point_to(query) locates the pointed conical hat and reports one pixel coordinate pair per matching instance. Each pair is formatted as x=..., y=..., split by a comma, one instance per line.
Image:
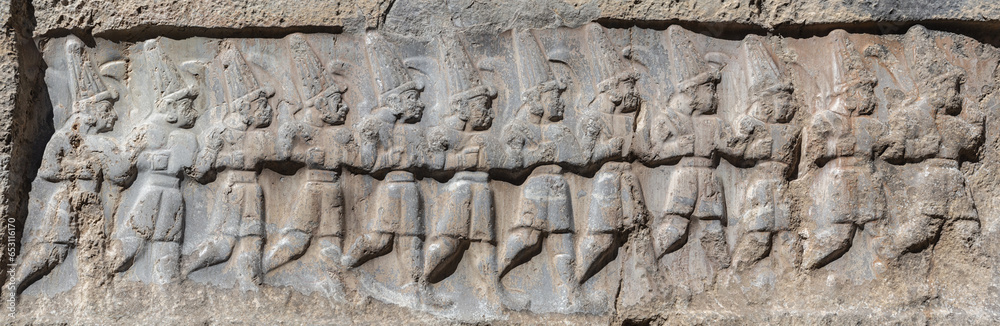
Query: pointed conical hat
x=166, y=80
x=608, y=62
x=847, y=68
x=532, y=64
x=922, y=55
x=463, y=78
x=312, y=78
x=391, y=76
x=87, y=85
x=240, y=80
x=761, y=71
x=684, y=60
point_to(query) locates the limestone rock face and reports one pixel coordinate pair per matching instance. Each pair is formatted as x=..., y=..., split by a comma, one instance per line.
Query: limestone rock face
x=510, y=162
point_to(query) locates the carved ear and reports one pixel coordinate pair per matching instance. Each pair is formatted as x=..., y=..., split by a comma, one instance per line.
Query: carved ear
x=339, y=68
x=559, y=55
x=421, y=64
x=114, y=69
x=717, y=58
x=488, y=64
x=639, y=54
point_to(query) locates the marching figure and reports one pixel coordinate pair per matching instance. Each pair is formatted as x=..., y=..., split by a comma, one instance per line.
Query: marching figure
x=318, y=138
x=616, y=203
x=387, y=142
x=841, y=141
x=930, y=134
x=235, y=148
x=466, y=214
x=77, y=160
x=688, y=131
x=161, y=148
x=545, y=208
x=769, y=144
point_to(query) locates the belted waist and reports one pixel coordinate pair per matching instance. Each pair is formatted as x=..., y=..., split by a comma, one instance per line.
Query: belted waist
x=238, y=176
x=942, y=163
x=162, y=179
x=399, y=176
x=322, y=175
x=695, y=161
x=474, y=176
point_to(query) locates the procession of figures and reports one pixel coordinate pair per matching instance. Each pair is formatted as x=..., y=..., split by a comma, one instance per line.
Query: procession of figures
x=513, y=171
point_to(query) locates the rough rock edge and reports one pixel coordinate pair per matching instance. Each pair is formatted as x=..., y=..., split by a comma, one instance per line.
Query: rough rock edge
x=23, y=116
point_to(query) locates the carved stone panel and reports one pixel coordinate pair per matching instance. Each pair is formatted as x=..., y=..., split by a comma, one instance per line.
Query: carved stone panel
x=477, y=177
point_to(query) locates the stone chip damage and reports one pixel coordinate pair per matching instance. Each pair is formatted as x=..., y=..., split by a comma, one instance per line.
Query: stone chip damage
x=500, y=163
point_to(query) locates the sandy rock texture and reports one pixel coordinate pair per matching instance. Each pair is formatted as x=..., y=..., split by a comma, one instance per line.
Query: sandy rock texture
x=131, y=19
x=500, y=162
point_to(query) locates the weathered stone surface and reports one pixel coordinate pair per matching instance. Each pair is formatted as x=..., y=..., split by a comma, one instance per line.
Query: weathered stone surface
x=632, y=174
x=145, y=18
x=500, y=162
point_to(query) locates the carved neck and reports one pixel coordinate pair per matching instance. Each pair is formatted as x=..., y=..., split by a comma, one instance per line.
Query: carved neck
x=386, y=115
x=454, y=122
x=313, y=118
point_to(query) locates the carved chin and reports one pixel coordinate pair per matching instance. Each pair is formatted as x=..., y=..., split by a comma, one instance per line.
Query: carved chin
x=629, y=103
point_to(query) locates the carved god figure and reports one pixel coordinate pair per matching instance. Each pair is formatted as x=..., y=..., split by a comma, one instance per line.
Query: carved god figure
x=605, y=128
x=534, y=137
x=841, y=142
x=466, y=214
x=930, y=134
x=150, y=219
x=77, y=160
x=388, y=140
x=767, y=146
x=688, y=132
x=317, y=137
x=234, y=148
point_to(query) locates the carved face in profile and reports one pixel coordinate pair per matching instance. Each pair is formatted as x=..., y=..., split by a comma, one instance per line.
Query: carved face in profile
x=180, y=112
x=104, y=115
x=773, y=106
x=553, y=104
x=856, y=98
x=623, y=95
x=332, y=108
x=480, y=112
x=257, y=112
x=698, y=99
x=944, y=93
x=411, y=109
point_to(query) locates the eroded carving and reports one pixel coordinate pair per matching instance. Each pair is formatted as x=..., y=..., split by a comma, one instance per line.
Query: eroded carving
x=548, y=159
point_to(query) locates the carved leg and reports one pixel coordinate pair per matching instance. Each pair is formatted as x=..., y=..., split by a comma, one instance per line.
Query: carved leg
x=40, y=259
x=916, y=233
x=166, y=261
x=826, y=244
x=247, y=262
x=441, y=252
x=123, y=250
x=751, y=248
x=329, y=234
x=563, y=261
x=330, y=247
x=225, y=220
x=366, y=247
x=211, y=252
x=291, y=245
x=294, y=237
x=166, y=242
x=713, y=239
x=669, y=234
x=136, y=221
x=594, y=251
x=517, y=248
